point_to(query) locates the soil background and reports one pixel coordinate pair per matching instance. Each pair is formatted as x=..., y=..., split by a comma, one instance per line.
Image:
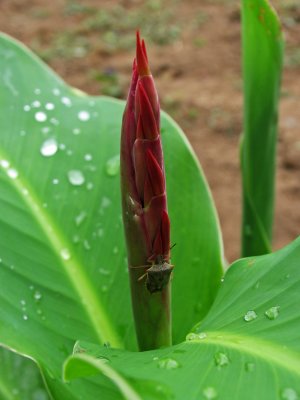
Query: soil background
x=195, y=54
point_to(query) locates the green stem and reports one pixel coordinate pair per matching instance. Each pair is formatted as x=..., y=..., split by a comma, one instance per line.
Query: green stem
x=152, y=312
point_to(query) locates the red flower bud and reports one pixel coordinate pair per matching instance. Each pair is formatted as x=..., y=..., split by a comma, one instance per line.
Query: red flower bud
x=143, y=177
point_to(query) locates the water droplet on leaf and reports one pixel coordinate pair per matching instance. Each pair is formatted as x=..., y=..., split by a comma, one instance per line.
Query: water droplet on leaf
x=84, y=115
x=272, y=312
x=76, y=131
x=37, y=296
x=40, y=116
x=76, y=177
x=250, y=316
x=210, y=393
x=221, y=359
x=289, y=394
x=88, y=157
x=80, y=218
x=66, y=101
x=249, y=366
x=112, y=166
x=49, y=147
x=12, y=173
x=4, y=164
x=65, y=253
x=36, y=104
x=49, y=106
x=168, y=363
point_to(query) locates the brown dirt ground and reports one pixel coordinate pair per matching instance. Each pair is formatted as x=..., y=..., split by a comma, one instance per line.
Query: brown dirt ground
x=195, y=56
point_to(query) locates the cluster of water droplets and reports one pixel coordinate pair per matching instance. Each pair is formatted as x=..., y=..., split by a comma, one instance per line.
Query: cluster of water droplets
x=10, y=171
x=271, y=314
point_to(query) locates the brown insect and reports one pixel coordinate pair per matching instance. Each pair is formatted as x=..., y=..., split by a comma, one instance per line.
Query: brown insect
x=158, y=275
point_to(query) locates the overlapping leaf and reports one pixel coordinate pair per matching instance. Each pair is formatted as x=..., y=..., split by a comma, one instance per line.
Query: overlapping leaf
x=262, y=64
x=248, y=346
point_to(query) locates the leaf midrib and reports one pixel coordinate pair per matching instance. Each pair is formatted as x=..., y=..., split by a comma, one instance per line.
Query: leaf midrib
x=89, y=299
x=263, y=349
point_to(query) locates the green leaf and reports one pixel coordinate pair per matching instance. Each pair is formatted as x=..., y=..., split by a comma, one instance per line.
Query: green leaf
x=20, y=378
x=262, y=63
x=62, y=250
x=225, y=356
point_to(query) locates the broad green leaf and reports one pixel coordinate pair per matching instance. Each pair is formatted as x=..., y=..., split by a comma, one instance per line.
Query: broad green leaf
x=262, y=45
x=63, y=263
x=20, y=378
x=225, y=357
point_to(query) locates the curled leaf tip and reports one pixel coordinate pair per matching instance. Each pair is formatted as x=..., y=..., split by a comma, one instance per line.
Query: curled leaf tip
x=141, y=57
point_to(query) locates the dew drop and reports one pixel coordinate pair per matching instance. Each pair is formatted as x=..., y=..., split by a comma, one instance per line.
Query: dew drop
x=104, y=288
x=84, y=115
x=105, y=202
x=55, y=181
x=54, y=121
x=76, y=131
x=256, y=286
x=221, y=359
x=191, y=336
x=37, y=296
x=272, y=313
x=168, y=363
x=87, y=245
x=196, y=336
x=49, y=147
x=26, y=108
x=56, y=92
x=49, y=106
x=4, y=164
x=80, y=218
x=37, y=91
x=40, y=116
x=12, y=173
x=104, y=271
x=25, y=317
x=100, y=232
x=112, y=166
x=76, y=239
x=45, y=130
x=289, y=394
x=115, y=250
x=65, y=253
x=36, y=104
x=66, y=101
x=249, y=366
x=210, y=393
x=89, y=186
x=76, y=177
x=88, y=157
x=250, y=316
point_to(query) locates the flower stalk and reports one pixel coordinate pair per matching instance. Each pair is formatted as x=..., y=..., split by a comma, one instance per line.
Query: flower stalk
x=144, y=203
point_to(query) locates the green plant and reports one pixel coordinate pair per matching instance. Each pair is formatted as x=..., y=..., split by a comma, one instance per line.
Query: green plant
x=64, y=299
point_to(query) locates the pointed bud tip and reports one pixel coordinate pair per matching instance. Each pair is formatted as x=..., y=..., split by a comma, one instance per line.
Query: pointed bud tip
x=141, y=56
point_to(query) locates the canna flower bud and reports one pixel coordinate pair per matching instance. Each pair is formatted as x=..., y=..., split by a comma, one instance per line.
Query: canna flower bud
x=145, y=214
